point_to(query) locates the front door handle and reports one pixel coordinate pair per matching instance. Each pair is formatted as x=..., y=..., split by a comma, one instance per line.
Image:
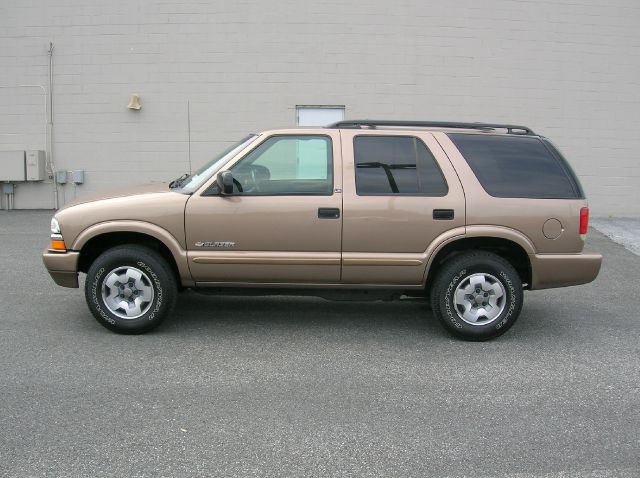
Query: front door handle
x=443, y=214
x=328, y=213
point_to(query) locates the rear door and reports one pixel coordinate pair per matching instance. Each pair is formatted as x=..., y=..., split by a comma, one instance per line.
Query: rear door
x=400, y=194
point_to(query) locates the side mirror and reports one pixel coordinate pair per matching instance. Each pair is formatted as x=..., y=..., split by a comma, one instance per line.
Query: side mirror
x=225, y=182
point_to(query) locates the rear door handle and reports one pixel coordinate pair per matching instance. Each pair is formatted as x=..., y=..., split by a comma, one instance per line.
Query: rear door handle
x=443, y=214
x=328, y=213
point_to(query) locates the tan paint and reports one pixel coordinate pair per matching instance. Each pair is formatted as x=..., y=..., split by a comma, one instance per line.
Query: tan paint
x=157, y=206
x=378, y=242
x=282, y=258
x=309, y=285
x=561, y=270
x=526, y=216
x=381, y=226
x=138, y=226
x=62, y=267
x=267, y=228
x=65, y=279
x=382, y=262
x=552, y=229
x=501, y=232
x=118, y=192
x=153, y=210
x=60, y=261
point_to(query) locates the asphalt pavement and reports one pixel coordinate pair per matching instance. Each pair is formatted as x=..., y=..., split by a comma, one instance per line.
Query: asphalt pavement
x=286, y=386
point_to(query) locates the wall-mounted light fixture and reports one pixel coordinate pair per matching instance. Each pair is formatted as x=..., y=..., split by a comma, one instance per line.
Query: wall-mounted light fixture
x=134, y=104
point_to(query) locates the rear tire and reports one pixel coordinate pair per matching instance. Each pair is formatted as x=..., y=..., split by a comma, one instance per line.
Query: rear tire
x=130, y=289
x=477, y=296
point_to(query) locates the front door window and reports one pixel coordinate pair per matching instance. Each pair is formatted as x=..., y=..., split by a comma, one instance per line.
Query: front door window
x=287, y=165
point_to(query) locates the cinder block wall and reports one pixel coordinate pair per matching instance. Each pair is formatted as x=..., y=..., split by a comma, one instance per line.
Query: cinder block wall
x=570, y=69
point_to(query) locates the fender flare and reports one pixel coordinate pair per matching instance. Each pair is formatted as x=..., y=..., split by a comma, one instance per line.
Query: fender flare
x=502, y=232
x=488, y=231
x=141, y=227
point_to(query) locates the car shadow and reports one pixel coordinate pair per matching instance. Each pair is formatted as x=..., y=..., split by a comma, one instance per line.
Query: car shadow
x=198, y=312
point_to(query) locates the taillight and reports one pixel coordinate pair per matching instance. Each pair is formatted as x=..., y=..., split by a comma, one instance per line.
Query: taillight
x=584, y=220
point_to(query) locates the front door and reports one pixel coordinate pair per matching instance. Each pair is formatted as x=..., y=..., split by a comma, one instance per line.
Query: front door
x=400, y=194
x=283, y=222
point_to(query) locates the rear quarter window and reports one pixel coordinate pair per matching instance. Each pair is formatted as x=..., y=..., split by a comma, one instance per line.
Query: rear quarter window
x=517, y=167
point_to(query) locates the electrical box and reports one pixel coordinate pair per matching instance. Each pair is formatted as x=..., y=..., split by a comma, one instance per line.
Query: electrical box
x=61, y=177
x=12, y=166
x=35, y=165
x=78, y=176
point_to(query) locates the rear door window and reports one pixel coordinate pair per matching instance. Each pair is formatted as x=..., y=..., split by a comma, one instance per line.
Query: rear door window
x=516, y=167
x=390, y=165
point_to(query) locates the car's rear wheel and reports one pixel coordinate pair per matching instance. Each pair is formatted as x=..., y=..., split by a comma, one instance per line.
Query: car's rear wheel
x=130, y=289
x=477, y=295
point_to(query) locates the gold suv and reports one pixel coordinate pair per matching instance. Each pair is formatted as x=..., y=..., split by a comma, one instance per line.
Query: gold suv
x=467, y=215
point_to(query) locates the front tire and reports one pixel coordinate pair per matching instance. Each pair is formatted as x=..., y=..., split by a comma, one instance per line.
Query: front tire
x=130, y=289
x=477, y=296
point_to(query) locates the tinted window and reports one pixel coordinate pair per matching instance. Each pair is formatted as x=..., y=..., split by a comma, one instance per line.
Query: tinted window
x=515, y=167
x=287, y=165
x=396, y=165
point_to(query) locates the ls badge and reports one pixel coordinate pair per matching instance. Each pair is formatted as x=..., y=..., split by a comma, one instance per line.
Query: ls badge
x=223, y=245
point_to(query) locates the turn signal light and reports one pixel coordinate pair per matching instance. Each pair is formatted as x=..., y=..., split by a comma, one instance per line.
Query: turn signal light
x=584, y=220
x=58, y=245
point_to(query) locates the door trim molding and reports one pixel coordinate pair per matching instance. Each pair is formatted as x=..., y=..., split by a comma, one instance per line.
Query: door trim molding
x=381, y=262
x=266, y=258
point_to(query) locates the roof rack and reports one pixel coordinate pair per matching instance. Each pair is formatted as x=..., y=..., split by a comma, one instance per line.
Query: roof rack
x=355, y=124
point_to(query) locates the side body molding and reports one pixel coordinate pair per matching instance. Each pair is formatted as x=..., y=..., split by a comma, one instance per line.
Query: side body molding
x=142, y=227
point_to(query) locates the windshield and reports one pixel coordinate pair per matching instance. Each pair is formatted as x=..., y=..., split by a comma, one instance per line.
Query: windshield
x=195, y=180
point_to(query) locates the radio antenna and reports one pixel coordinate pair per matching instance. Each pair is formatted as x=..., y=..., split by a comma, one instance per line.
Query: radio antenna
x=189, y=133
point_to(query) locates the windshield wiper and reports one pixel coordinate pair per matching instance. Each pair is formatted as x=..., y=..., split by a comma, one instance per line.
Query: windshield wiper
x=176, y=183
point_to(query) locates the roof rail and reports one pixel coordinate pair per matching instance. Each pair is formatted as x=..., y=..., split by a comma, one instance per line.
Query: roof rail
x=355, y=124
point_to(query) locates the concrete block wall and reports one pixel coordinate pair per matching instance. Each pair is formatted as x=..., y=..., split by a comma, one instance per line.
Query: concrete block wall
x=570, y=69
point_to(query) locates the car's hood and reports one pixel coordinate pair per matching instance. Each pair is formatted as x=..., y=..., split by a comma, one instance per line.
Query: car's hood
x=136, y=190
x=152, y=204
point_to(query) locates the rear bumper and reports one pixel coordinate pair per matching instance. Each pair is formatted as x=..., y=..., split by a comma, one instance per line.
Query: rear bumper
x=62, y=267
x=561, y=270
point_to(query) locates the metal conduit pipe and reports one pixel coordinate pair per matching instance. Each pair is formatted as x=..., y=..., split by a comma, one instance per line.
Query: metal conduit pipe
x=52, y=166
x=47, y=135
x=48, y=128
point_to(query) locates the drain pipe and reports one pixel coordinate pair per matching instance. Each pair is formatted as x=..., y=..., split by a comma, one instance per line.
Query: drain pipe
x=52, y=166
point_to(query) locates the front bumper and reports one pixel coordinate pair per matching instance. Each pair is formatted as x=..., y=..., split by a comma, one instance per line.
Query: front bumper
x=62, y=267
x=561, y=270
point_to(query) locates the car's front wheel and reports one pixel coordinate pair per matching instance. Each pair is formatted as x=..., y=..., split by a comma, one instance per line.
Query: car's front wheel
x=477, y=295
x=130, y=289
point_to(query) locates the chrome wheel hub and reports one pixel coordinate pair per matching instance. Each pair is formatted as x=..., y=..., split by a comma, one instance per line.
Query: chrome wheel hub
x=127, y=292
x=479, y=299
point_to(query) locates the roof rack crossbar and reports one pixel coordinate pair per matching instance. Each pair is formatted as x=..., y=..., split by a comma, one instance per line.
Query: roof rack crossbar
x=511, y=128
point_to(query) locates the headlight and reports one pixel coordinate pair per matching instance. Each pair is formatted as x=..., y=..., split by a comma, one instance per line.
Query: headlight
x=55, y=227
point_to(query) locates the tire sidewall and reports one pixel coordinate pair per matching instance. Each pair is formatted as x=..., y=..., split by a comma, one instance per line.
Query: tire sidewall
x=151, y=266
x=512, y=286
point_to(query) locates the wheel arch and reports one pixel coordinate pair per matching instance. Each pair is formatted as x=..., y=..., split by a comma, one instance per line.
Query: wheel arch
x=96, y=239
x=516, y=251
